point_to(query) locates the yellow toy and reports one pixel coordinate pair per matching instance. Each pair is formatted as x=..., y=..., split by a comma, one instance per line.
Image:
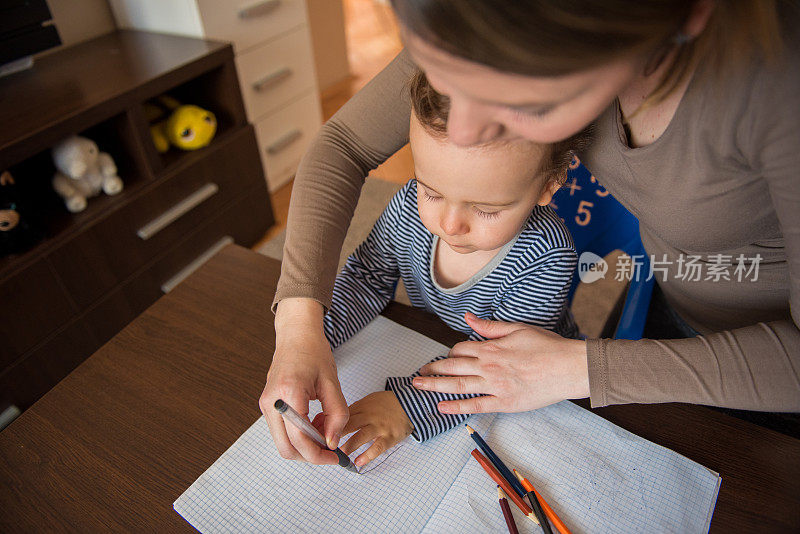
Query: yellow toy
x=187, y=127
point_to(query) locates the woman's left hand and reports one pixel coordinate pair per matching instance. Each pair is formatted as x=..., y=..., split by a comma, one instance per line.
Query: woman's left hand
x=519, y=368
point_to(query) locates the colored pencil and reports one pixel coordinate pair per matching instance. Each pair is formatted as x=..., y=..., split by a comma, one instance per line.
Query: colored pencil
x=503, y=483
x=535, y=504
x=512, y=526
x=549, y=512
x=498, y=463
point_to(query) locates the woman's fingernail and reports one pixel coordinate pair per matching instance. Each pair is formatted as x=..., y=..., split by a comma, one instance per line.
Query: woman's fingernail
x=443, y=408
x=418, y=382
x=333, y=442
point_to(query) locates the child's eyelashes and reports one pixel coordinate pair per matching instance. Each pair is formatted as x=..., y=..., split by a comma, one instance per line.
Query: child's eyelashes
x=487, y=214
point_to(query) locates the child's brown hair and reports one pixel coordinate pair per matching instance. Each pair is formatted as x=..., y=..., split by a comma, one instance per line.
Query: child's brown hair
x=431, y=110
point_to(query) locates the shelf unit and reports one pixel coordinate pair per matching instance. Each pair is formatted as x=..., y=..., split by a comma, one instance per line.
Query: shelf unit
x=98, y=269
x=274, y=59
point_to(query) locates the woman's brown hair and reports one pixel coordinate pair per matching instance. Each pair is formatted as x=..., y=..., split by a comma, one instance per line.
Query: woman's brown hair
x=431, y=110
x=557, y=37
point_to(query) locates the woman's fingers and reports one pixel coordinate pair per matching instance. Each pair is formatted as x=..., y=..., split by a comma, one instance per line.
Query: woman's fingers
x=451, y=366
x=470, y=349
x=491, y=329
x=482, y=404
x=335, y=408
x=459, y=385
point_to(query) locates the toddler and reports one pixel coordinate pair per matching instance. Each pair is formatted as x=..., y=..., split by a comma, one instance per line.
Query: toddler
x=471, y=232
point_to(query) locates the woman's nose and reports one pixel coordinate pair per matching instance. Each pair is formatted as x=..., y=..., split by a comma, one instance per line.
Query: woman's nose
x=471, y=123
x=453, y=223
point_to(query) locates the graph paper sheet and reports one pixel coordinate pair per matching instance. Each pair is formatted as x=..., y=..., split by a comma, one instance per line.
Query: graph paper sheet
x=597, y=476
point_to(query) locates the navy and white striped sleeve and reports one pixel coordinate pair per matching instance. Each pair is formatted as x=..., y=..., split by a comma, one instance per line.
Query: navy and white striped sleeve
x=368, y=279
x=539, y=292
x=420, y=407
x=537, y=296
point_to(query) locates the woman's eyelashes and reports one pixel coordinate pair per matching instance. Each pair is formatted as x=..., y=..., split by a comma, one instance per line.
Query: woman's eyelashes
x=530, y=114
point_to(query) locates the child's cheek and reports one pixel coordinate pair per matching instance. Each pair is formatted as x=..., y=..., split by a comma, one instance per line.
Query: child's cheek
x=427, y=214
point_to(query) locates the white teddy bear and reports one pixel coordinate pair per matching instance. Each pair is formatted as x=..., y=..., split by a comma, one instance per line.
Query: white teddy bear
x=82, y=171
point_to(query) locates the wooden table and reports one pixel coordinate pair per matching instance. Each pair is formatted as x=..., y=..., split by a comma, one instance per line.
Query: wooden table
x=118, y=440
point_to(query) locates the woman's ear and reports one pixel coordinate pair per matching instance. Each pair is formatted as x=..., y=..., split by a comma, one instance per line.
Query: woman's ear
x=548, y=191
x=698, y=18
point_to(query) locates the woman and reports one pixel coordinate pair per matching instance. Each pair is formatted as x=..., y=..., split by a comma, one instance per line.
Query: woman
x=696, y=132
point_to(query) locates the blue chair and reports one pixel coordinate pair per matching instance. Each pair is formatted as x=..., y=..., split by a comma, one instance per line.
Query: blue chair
x=600, y=224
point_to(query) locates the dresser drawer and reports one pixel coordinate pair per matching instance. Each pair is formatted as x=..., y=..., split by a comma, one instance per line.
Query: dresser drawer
x=247, y=23
x=45, y=366
x=284, y=136
x=244, y=222
x=270, y=75
x=34, y=305
x=105, y=254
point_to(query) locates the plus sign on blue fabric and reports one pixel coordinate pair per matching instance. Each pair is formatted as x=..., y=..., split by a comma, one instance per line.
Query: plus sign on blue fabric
x=599, y=224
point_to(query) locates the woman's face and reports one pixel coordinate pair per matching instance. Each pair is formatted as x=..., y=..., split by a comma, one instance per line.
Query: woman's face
x=487, y=104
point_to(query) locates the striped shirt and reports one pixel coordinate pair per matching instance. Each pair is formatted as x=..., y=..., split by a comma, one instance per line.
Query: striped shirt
x=527, y=281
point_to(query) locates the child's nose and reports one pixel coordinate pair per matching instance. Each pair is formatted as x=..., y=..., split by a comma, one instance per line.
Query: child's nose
x=453, y=223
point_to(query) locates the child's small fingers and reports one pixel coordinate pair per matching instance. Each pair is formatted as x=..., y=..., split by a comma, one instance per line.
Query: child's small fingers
x=365, y=435
x=357, y=420
x=377, y=448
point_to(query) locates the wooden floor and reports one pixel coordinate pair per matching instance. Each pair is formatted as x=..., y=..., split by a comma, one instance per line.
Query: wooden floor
x=372, y=41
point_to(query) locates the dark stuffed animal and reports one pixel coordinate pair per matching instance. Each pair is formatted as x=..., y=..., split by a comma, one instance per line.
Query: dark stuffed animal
x=16, y=233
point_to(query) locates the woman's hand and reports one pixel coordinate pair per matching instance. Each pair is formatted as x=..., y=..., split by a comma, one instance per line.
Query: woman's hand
x=519, y=368
x=302, y=370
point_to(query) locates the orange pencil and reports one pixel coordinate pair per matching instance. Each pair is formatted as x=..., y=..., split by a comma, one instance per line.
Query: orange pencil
x=562, y=528
x=503, y=483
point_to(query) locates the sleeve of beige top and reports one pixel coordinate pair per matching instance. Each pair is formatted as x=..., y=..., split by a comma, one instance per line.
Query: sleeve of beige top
x=372, y=126
x=751, y=368
x=755, y=367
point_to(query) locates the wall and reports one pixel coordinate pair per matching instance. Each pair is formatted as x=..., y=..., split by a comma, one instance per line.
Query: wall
x=79, y=20
x=326, y=22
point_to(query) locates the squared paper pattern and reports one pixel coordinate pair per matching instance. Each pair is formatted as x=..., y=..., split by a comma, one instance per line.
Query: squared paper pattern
x=598, y=477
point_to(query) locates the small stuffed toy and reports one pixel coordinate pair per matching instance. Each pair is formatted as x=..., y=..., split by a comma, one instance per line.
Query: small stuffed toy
x=186, y=127
x=82, y=171
x=16, y=234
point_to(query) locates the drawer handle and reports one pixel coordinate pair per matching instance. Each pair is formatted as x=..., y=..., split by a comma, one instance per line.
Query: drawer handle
x=8, y=415
x=257, y=9
x=177, y=211
x=181, y=275
x=272, y=78
x=285, y=140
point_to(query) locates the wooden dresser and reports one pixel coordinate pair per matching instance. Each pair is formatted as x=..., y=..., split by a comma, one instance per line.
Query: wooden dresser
x=275, y=61
x=98, y=269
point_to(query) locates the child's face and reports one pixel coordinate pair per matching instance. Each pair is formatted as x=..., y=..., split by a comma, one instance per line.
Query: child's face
x=476, y=198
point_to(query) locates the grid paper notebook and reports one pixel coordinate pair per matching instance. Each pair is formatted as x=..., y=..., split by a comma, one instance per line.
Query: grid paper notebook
x=597, y=476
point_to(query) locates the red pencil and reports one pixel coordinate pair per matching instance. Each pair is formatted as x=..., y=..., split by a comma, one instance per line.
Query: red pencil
x=503, y=483
x=512, y=526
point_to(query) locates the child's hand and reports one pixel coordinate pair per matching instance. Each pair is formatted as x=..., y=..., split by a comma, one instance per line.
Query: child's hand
x=379, y=417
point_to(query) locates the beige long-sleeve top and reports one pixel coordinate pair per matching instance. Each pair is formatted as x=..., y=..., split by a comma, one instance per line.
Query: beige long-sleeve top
x=723, y=179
